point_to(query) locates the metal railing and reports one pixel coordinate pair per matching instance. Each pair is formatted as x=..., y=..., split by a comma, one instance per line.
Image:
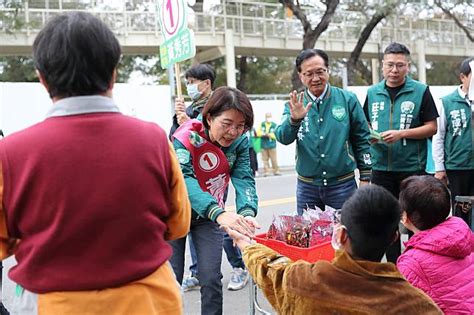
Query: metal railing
x=253, y=19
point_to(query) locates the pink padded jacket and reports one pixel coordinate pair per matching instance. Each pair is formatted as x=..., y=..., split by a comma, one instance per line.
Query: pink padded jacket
x=440, y=261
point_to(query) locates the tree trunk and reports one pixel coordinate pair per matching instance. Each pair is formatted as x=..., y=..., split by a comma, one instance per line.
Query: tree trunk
x=310, y=35
x=243, y=69
x=353, y=63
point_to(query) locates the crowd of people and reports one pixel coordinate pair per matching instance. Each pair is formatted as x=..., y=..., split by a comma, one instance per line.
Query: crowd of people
x=94, y=204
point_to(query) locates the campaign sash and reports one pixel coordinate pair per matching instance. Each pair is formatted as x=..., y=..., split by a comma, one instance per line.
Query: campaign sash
x=210, y=164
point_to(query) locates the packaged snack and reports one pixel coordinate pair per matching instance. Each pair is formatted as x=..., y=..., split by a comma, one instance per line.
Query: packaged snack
x=312, y=228
x=276, y=230
x=297, y=231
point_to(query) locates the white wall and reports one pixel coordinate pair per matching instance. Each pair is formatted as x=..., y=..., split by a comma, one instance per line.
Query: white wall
x=23, y=104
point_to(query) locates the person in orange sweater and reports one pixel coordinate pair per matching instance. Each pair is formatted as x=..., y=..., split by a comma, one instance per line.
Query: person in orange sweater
x=89, y=197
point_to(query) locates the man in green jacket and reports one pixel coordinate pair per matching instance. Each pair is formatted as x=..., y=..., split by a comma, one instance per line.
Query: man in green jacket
x=402, y=113
x=331, y=134
x=453, y=144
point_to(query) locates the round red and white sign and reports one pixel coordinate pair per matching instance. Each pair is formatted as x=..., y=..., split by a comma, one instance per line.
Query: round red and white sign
x=208, y=161
x=172, y=16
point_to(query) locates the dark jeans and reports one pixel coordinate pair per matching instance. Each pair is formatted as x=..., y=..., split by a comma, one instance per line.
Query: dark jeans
x=311, y=196
x=208, y=241
x=391, y=181
x=234, y=256
x=193, y=267
x=461, y=183
x=233, y=253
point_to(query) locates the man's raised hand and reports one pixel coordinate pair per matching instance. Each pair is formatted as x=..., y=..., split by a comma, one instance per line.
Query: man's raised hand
x=297, y=109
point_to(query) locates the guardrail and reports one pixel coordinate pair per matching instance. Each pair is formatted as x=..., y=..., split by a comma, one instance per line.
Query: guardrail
x=253, y=19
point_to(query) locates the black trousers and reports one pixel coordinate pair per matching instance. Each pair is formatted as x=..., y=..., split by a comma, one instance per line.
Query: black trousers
x=461, y=183
x=253, y=160
x=391, y=181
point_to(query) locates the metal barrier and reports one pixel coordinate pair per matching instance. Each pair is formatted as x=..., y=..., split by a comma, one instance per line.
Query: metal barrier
x=251, y=19
x=254, y=305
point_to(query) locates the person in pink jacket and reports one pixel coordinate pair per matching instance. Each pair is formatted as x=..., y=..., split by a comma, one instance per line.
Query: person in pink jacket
x=439, y=257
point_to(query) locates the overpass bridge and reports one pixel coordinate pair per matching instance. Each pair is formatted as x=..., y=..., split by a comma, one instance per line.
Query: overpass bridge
x=250, y=28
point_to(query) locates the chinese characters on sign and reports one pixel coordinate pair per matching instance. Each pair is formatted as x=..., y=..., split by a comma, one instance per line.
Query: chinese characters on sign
x=177, y=48
x=179, y=40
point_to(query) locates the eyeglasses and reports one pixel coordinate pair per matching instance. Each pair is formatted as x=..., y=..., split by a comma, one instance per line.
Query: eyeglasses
x=227, y=126
x=390, y=66
x=318, y=73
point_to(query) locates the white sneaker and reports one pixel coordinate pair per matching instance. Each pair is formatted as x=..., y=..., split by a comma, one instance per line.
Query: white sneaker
x=238, y=279
x=190, y=283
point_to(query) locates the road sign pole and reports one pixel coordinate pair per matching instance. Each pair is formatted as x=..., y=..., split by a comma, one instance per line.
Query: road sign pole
x=177, y=73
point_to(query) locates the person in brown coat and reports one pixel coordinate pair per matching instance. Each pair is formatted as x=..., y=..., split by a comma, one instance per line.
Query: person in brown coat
x=355, y=282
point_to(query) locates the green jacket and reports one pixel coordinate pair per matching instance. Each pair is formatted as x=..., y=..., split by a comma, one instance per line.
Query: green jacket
x=268, y=142
x=406, y=155
x=204, y=203
x=331, y=141
x=458, y=140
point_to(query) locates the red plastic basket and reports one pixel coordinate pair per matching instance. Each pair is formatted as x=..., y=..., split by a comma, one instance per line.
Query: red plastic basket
x=323, y=251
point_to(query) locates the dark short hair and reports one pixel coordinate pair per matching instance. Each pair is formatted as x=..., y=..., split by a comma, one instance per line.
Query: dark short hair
x=225, y=98
x=371, y=216
x=426, y=201
x=397, y=48
x=309, y=53
x=202, y=71
x=76, y=53
x=465, y=68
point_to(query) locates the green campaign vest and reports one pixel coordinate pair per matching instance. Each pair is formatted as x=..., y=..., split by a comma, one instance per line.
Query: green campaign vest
x=458, y=141
x=268, y=143
x=406, y=155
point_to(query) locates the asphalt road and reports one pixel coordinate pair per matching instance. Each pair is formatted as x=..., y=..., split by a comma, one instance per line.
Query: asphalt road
x=276, y=196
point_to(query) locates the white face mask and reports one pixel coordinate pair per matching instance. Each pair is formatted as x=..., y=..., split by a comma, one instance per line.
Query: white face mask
x=334, y=241
x=193, y=91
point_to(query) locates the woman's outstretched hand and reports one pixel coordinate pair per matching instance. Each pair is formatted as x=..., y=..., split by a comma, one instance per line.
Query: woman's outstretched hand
x=237, y=222
x=240, y=240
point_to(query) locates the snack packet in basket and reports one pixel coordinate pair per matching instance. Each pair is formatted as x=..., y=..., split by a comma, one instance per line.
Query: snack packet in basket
x=297, y=231
x=276, y=230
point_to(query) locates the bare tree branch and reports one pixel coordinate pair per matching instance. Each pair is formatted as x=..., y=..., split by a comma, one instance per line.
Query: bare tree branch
x=298, y=12
x=455, y=19
x=353, y=63
x=311, y=35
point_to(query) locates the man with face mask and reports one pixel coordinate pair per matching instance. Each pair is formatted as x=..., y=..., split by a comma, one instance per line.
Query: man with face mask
x=453, y=143
x=199, y=83
x=403, y=112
